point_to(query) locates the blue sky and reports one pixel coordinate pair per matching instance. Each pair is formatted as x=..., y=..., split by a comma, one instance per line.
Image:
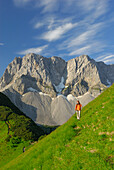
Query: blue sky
x=64, y=28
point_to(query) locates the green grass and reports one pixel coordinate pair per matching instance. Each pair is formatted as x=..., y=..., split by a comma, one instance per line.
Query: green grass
x=16, y=131
x=86, y=144
x=7, y=150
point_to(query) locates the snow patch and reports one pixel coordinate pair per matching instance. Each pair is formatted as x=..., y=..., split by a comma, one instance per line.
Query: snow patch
x=109, y=83
x=44, y=94
x=60, y=86
x=31, y=89
x=66, y=86
x=23, y=95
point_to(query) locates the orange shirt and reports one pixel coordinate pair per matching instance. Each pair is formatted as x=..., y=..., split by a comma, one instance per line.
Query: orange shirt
x=78, y=107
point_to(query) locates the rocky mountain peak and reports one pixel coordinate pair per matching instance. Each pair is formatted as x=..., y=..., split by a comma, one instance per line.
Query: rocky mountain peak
x=54, y=75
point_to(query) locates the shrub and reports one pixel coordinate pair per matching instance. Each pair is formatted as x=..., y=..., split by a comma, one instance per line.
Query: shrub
x=8, y=138
x=41, y=137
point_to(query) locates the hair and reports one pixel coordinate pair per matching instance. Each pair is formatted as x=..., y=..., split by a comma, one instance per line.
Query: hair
x=78, y=101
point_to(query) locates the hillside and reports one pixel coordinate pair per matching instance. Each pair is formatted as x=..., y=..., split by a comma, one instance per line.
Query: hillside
x=84, y=144
x=16, y=130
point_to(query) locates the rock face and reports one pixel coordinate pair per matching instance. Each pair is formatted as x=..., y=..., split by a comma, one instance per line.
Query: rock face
x=34, y=81
x=34, y=71
x=54, y=75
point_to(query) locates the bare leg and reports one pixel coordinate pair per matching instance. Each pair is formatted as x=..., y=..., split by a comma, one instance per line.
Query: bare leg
x=77, y=114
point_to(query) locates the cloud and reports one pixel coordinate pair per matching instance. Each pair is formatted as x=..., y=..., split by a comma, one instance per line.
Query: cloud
x=85, y=36
x=50, y=22
x=89, y=49
x=47, y=21
x=109, y=61
x=38, y=25
x=96, y=8
x=58, y=32
x=37, y=50
x=20, y=3
x=84, y=43
x=49, y=5
x=106, y=58
x=83, y=50
x=46, y=5
x=110, y=56
x=80, y=24
x=88, y=5
x=1, y=44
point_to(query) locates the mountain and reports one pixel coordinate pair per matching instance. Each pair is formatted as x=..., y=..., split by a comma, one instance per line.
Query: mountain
x=84, y=144
x=53, y=75
x=34, y=82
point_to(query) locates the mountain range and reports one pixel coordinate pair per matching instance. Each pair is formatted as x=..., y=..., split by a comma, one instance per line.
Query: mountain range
x=46, y=89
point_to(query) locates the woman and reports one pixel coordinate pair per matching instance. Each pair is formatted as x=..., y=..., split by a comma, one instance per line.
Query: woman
x=78, y=109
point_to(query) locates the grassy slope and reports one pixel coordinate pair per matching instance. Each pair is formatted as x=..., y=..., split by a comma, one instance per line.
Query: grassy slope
x=84, y=144
x=22, y=130
x=7, y=152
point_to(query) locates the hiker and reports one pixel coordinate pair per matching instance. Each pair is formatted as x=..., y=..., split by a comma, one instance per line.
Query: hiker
x=78, y=109
x=23, y=149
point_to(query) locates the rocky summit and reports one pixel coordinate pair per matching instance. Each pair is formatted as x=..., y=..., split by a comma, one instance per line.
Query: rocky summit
x=43, y=87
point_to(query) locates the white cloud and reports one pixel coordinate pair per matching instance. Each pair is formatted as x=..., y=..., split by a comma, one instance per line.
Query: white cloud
x=89, y=49
x=106, y=58
x=110, y=56
x=38, y=25
x=85, y=6
x=21, y=2
x=49, y=5
x=58, y=32
x=97, y=8
x=85, y=36
x=101, y=8
x=83, y=50
x=109, y=61
x=89, y=5
x=85, y=42
x=1, y=44
x=50, y=22
x=37, y=50
x=98, y=58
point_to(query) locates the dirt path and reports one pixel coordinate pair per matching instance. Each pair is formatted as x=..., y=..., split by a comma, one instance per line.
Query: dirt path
x=7, y=123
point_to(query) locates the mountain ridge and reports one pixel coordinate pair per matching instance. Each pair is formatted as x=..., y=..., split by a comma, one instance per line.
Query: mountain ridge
x=37, y=78
x=48, y=72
